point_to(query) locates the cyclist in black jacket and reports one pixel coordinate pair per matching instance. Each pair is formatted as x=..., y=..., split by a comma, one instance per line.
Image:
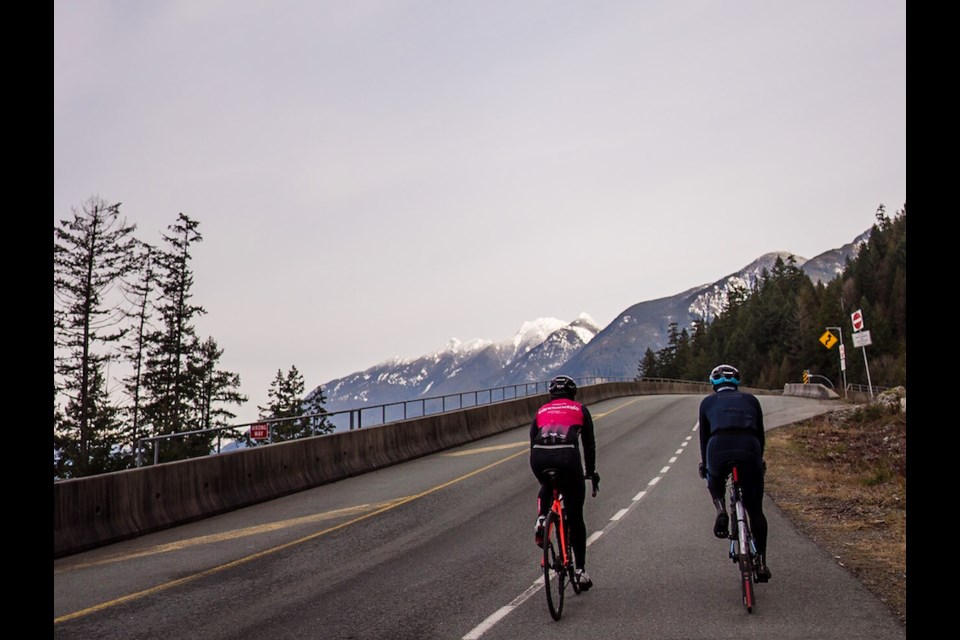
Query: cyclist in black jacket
x=555, y=435
x=731, y=431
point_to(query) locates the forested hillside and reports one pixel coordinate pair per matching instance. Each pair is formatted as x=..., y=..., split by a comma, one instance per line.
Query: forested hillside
x=772, y=332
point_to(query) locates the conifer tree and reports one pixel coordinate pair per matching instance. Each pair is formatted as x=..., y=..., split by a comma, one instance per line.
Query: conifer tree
x=314, y=406
x=91, y=255
x=286, y=407
x=216, y=389
x=648, y=365
x=139, y=294
x=169, y=381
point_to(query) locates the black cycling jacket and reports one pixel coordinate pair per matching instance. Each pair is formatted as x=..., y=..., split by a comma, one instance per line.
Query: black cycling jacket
x=732, y=411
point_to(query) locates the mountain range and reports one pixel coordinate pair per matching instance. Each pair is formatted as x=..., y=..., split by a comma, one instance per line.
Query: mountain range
x=546, y=346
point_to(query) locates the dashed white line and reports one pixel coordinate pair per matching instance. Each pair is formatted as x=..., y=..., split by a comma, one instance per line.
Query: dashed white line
x=619, y=514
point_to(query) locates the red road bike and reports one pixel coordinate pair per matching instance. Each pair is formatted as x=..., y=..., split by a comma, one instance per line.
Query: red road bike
x=557, y=562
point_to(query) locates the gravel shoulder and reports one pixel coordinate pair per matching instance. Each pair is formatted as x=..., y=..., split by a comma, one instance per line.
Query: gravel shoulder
x=841, y=480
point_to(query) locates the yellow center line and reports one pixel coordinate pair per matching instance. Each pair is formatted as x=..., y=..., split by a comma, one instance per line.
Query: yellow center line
x=230, y=535
x=378, y=509
x=499, y=447
x=597, y=416
x=266, y=552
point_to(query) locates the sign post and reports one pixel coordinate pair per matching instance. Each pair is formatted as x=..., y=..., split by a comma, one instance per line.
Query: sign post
x=828, y=340
x=862, y=339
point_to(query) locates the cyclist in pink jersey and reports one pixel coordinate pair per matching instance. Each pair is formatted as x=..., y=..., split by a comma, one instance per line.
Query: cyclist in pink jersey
x=556, y=433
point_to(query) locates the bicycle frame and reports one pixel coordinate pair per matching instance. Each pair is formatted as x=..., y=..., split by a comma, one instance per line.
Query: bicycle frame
x=557, y=561
x=743, y=550
x=558, y=508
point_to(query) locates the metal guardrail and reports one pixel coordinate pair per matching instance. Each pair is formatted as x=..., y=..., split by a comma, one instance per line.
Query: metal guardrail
x=407, y=410
x=863, y=388
x=380, y=414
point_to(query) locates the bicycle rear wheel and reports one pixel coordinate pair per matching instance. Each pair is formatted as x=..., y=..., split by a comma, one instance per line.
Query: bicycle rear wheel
x=744, y=559
x=554, y=571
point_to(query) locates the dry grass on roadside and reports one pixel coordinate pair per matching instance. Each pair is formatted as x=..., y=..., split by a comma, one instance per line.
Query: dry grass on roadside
x=841, y=479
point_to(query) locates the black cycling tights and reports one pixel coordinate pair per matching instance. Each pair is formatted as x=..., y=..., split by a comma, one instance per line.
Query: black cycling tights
x=573, y=487
x=744, y=451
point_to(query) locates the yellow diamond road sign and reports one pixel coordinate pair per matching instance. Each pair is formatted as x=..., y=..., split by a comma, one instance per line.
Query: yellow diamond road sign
x=828, y=339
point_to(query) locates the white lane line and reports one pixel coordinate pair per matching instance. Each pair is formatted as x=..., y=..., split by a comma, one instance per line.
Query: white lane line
x=593, y=538
x=654, y=481
x=481, y=628
x=500, y=613
x=674, y=458
x=639, y=496
x=619, y=514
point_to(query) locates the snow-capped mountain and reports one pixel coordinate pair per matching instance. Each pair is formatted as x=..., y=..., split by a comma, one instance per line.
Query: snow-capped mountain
x=543, y=347
x=530, y=355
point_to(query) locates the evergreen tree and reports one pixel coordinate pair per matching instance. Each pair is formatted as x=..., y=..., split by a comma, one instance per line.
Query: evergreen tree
x=101, y=450
x=648, y=365
x=169, y=382
x=138, y=291
x=286, y=408
x=91, y=255
x=217, y=388
x=314, y=405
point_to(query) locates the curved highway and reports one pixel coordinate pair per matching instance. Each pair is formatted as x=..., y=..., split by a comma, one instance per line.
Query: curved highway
x=442, y=548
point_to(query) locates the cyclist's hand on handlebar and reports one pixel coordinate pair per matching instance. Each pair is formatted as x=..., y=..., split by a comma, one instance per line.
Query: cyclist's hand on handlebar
x=702, y=470
x=595, y=479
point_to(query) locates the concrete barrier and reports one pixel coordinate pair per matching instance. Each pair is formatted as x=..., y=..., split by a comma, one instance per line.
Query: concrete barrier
x=809, y=391
x=97, y=510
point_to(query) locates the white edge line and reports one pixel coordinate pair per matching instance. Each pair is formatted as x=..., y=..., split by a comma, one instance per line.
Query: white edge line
x=482, y=628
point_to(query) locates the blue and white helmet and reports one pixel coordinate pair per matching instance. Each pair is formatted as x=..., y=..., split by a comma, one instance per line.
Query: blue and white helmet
x=725, y=374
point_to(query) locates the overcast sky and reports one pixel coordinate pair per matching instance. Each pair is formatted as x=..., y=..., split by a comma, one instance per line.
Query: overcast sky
x=372, y=178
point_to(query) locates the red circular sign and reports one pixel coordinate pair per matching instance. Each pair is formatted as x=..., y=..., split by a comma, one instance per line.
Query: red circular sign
x=857, y=317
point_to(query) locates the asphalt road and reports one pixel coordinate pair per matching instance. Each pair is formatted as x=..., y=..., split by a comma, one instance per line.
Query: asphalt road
x=442, y=548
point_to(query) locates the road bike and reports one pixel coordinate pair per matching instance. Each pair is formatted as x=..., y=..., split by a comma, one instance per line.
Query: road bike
x=743, y=548
x=557, y=562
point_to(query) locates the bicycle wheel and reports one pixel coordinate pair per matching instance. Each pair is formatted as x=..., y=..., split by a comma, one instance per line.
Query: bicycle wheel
x=744, y=559
x=554, y=572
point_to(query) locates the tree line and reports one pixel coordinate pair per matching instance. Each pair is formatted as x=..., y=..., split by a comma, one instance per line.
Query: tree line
x=123, y=301
x=119, y=299
x=772, y=331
